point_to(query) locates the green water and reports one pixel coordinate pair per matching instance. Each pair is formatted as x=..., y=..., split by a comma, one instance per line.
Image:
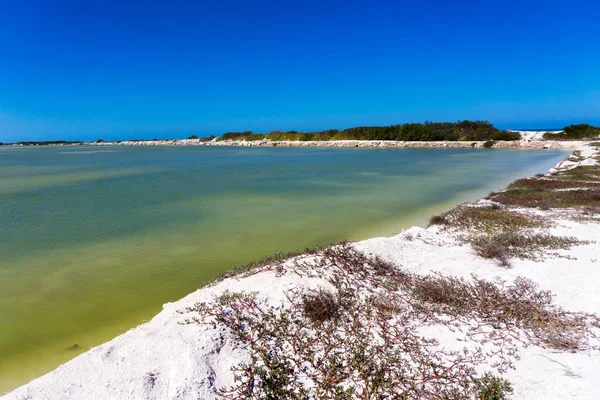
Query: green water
x=93, y=240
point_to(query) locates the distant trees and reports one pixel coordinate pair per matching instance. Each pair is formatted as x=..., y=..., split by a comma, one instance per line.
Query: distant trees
x=236, y=135
x=207, y=139
x=575, y=132
x=193, y=137
x=428, y=131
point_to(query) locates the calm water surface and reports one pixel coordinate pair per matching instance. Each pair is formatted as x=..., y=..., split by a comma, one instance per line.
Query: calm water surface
x=93, y=240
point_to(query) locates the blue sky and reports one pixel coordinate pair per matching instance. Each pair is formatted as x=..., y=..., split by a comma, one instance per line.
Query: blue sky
x=124, y=69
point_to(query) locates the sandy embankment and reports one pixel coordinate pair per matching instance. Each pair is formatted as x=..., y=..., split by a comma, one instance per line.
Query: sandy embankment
x=530, y=140
x=515, y=144
x=163, y=359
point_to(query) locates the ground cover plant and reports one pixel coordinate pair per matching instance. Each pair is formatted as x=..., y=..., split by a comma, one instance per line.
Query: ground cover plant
x=267, y=262
x=575, y=188
x=498, y=233
x=359, y=334
x=583, y=174
x=502, y=228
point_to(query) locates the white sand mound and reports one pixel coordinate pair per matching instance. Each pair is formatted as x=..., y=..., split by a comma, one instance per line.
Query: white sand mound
x=534, y=135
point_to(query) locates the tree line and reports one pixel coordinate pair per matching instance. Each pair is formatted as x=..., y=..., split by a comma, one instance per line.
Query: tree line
x=575, y=132
x=428, y=131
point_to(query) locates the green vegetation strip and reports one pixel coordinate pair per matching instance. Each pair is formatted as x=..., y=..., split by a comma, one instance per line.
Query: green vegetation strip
x=575, y=132
x=578, y=188
x=428, y=131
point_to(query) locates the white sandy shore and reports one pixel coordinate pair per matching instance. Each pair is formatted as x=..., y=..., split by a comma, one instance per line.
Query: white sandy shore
x=529, y=140
x=163, y=359
x=517, y=144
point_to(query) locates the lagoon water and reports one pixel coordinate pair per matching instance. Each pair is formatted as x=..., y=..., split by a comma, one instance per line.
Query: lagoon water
x=93, y=240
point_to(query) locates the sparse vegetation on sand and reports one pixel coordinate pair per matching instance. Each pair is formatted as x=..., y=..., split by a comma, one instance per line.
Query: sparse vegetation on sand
x=498, y=233
x=266, y=263
x=358, y=335
x=575, y=188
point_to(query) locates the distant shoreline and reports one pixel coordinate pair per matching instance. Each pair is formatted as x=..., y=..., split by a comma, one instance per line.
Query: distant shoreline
x=500, y=144
x=523, y=144
x=462, y=134
x=529, y=140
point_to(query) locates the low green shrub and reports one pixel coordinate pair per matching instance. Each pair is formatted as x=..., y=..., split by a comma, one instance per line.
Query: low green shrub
x=487, y=218
x=427, y=131
x=437, y=220
x=546, y=199
x=492, y=250
x=320, y=305
x=494, y=388
x=518, y=243
x=575, y=132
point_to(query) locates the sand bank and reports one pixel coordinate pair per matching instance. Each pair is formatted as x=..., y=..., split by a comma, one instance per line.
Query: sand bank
x=530, y=140
x=509, y=144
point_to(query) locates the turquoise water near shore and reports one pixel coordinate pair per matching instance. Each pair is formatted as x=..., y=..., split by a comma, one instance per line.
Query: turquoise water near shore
x=93, y=240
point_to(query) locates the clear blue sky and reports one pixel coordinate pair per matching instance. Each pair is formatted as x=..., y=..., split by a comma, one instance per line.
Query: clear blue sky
x=123, y=69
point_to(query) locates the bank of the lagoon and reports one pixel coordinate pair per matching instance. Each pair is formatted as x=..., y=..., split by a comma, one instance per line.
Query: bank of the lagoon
x=95, y=239
x=531, y=140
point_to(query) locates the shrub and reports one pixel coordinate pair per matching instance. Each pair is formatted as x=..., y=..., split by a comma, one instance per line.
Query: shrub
x=236, y=135
x=585, y=173
x=320, y=306
x=548, y=199
x=494, y=388
x=518, y=243
x=492, y=250
x=575, y=132
x=577, y=187
x=268, y=262
x=537, y=184
x=498, y=233
x=490, y=218
x=438, y=220
x=207, y=139
x=506, y=135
